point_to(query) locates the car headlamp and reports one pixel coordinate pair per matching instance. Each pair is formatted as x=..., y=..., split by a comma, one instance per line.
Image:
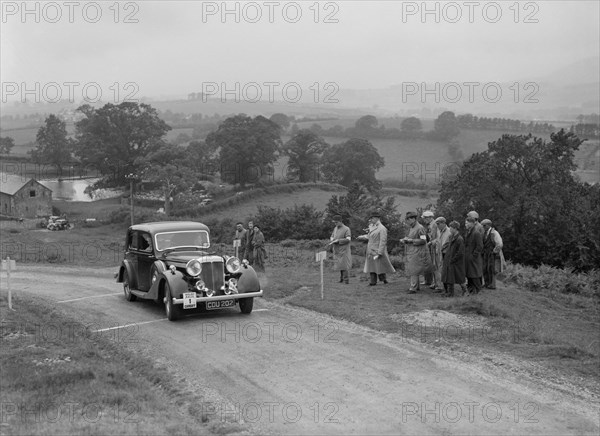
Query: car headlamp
x=194, y=267
x=233, y=265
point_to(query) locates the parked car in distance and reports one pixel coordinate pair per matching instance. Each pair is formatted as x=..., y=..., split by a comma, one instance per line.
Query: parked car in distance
x=58, y=223
x=169, y=262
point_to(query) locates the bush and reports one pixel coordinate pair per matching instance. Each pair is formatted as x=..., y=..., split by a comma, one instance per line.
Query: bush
x=553, y=280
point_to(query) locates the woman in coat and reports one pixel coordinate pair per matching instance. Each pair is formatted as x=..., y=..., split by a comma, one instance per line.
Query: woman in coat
x=453, y=269
x=259, y=252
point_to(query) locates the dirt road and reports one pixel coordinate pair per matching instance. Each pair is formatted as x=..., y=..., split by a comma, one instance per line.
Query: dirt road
x=283, y=370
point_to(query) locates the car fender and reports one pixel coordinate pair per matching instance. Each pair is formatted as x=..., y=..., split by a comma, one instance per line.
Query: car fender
x=248, y=281
x=176, y=282
x=154, y=291
x=126, y=266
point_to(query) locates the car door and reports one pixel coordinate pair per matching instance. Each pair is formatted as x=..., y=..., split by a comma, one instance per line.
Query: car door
x=131, y=257
x=145, y=258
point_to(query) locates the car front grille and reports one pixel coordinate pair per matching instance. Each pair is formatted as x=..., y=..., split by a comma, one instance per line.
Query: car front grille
x=212, y=275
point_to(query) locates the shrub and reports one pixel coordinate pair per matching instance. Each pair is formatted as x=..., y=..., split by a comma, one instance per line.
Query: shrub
x=553, y=280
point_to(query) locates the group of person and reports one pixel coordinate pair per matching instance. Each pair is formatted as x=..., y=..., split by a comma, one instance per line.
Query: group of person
x=251, y=245
x=437, y=255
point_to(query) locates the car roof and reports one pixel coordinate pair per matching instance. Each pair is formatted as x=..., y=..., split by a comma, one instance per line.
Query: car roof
x=169, y=226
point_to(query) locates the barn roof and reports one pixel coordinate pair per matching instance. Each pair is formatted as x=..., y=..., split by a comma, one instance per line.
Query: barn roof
x=11, y=183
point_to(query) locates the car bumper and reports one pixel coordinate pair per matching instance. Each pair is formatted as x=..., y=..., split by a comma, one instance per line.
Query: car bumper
x=222, y=297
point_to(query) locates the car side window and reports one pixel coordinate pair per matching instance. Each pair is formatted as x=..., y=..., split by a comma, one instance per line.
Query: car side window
x=145, y=242
x=131, y=240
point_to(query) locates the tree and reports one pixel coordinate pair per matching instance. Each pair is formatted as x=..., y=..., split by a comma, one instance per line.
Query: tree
x=247, y=146
x=304, y=149
x=202, y=157
x=411, y=127
x=52, y=145
x=355, y=206
x=355, y=160
x=115, y=137
x=6, y=144
x=526, y=187
x=366, y=123
x=281, y=120
x=169, y=167
x=445, y=126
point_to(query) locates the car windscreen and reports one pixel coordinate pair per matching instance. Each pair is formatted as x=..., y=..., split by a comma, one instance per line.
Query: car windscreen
x=186, y=238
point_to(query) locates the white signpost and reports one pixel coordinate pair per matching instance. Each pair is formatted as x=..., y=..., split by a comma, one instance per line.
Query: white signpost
x=9, y=265
x=320, y=257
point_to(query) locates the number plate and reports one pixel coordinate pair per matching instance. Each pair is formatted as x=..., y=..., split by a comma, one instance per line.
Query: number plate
x=219, y=304
x=189, y=300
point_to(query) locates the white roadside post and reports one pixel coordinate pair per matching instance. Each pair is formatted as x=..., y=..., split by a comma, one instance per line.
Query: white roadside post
x=320, y=257
x=9, y=265
x=236, y=246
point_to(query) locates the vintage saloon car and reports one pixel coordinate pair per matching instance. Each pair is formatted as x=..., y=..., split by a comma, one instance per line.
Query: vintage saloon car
x=169, y=262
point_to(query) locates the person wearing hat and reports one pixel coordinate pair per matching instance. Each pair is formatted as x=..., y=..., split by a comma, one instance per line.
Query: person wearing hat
x=249, y=245
x=377, y=264
x=431, y=230
x=493, y=259
x=439, y=246
x=473, y=259
x=478, y=226
x=418, y=260
x=453, y=269
x=340, y=243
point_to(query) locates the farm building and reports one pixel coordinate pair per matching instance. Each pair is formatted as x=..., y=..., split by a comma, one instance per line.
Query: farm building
x=22, y=197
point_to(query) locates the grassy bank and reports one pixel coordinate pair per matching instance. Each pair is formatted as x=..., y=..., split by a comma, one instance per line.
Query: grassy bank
x=61, y=378
x=552, y=326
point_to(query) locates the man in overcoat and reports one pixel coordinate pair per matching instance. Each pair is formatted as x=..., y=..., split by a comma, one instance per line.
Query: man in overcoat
x=473, y=258
x=378, y=262
x=340, y=243
x=493, y=259
x=240, y=235
x=453, y=269
x=418, y=260
x=431, y=231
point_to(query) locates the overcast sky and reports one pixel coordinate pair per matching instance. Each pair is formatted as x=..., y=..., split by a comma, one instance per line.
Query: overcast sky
x=176, y=46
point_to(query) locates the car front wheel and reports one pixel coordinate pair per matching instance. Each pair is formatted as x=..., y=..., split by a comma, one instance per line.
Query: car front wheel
x=246, y=305
x=127, y=288
x=173, y=311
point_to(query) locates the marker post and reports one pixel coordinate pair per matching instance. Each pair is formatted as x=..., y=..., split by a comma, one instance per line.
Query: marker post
x=320, y=257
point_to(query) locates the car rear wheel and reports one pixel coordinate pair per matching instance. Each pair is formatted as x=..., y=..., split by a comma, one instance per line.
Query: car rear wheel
x=127, y=288
x=173, y=311
x=246, y=304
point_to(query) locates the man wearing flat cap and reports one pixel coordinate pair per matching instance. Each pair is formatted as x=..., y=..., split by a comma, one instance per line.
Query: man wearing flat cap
x=378, y=262
x=340, y=243
x=418, y=260
x=493, y=259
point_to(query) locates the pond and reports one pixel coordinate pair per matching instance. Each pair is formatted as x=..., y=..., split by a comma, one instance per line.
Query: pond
x=74, y=190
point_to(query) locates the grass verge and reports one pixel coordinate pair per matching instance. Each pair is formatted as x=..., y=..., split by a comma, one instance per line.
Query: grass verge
x=59, y=378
